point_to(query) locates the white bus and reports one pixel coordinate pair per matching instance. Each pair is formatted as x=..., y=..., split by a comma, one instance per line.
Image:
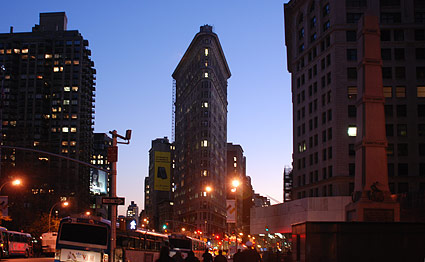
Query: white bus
x=48, y=243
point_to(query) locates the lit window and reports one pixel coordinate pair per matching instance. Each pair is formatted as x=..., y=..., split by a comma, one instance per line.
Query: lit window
x=75, y=88
x=352, y=131
x=206, y=51
x=388, y=91
x=204, y=143
x=56, y=69
x=400, y=91
x=36, y=143
x=234, y=158
x=64, y=143
x=206, y=74
x=8, y=51
x=76, y=62
x=74, y=116
x=206, y=63
x=1, y=51
x=66, y=102
x=57, y=56
x=352, y=92
x=47, y=56
x=235, y=164
x=421, y=91
x=67, y=62
x=204, y=173
x=73, y=143
x=39, y=77
x=73, y=129
x=65, y=129
x=66, y=88
x=205, y=104
x=54, y=116
x=17, y=51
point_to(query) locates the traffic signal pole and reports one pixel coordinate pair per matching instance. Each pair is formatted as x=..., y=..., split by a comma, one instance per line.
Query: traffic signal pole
x=114, y=194
x=113, y=158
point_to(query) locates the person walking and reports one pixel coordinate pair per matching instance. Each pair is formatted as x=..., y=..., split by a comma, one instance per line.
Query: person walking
x=164, y=255
x=191, y=257
x=237, y=256
x=207, y=257
x=178, y=257
x=250, y=254
x=220, y=257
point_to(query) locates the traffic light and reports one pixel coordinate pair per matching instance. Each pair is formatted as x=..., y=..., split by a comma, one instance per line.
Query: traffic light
x=164, y=226
x=267, y=228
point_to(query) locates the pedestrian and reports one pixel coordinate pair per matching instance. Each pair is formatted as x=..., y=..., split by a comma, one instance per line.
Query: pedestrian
x=237, y=256
x=178, y=256
x=207, y=257
x=164, y=255
x=250, y=254
x=191, y=257
x=220, y=257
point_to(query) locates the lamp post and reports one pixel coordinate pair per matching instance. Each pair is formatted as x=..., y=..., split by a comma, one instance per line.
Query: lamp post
x=235, y=185
x=64, y=204
x=3, y=72
x=15, y=182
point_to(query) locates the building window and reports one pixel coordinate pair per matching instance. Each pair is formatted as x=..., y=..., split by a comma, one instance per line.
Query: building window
x=387, y=73
x=352, y=130
x=421, y=130
x=351, y=169
x=385, y=35
x=403, y=169
x=353, y=18
x=401, y=130
x=390, y=3
x=351, y=73
x=388, y=91
x=420, y=17
x=301, y=33
x=421, y=91
x=313, y=22
x=352, y=111
x=419, y=34
x=390, y=18
x=204, y=143
x=399, y=35
x=421, y=110
x=351, y=36
x=356, y=3
x=352, y=54
x=400, y=72
x=389, y=130
x=386, y=53
x=420, y=53
x=399, y=53
x=326, y=26
x=206, y=51
x=402, y=150
x=400, y=91
x=390, y=149
x=421, y=149
x=351, y=150
x=388, y=110
x=390, y=169
x=401, y=110
x=326, y=10
x=352, y=92
x=420, y=72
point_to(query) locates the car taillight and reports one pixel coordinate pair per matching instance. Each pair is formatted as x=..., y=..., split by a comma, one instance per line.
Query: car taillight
x=58, y=254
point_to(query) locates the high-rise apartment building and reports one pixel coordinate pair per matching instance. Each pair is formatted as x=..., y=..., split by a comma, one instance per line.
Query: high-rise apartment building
x=201, y=134
x=48, y=86
x=158, y=185
x=321, y=40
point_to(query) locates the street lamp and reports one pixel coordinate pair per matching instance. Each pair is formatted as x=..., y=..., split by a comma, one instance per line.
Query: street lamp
x=64, y=204
x=15, y=182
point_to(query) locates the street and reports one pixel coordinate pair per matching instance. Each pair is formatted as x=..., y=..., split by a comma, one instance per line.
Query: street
x=32, y=259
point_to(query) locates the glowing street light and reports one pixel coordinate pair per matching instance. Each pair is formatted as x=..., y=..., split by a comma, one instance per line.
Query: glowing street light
x=236, y=183
x=64, y=204
x=15, y=182
x=208, y=189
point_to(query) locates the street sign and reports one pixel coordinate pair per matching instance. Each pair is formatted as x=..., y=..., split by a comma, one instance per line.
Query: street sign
x=113, y=200
x=113, y=154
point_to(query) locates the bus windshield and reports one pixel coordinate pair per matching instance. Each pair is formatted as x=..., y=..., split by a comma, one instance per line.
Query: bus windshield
x=84, y=234
x=177, y=243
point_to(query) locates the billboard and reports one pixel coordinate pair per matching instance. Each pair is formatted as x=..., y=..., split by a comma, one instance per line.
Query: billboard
x=162, y=180
x=231, y=211
x=98, y=182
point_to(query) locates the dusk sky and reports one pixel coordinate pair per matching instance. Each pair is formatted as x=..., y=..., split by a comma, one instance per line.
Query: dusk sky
x=136, y=45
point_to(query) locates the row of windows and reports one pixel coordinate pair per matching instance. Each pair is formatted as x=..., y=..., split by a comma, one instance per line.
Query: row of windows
x=327, y=172
x=400, y=92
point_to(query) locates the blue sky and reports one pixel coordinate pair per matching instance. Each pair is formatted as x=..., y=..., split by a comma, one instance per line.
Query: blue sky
x=136, y=45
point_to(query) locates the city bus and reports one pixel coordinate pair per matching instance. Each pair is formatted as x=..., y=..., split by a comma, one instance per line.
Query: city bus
x=83, y=239
x=140, y=245
x=14, y=243
x=48, y=243
x=184, y=244
x=87, y=239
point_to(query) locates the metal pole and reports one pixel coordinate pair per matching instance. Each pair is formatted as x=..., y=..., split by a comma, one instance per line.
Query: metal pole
x=113, y=194
x=50, y=213
x=3, y=71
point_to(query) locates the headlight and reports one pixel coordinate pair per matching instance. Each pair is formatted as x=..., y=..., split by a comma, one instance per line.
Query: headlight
x=57, y=255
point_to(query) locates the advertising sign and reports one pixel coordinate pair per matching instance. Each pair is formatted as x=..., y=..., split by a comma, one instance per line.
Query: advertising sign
x=98, y=182
x=79, y=255
x=231, y=211
x=162, y=181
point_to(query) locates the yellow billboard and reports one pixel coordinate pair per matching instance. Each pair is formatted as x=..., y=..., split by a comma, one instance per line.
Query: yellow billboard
x=162, y=180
